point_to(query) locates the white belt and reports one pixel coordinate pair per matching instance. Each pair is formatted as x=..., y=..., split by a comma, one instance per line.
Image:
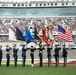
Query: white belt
x=40, y=51
x=32, y=52
x=7, y=52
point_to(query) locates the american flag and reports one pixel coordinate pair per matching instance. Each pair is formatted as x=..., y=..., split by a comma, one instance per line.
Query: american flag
x=65, y=35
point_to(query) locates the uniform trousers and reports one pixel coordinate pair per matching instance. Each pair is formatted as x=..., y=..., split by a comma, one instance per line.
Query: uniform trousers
x=8, y=60
x=57, y=61
x=0, y=59
x=32, y=58
x=15, y=60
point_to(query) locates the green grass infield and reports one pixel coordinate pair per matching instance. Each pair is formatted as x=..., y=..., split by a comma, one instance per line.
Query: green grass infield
x=36, y=70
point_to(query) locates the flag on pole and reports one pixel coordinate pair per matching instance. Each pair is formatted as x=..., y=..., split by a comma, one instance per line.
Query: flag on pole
x=44, y=37
x=12, y=36
x=51, y=37
x=28, y=36
x=36, y=34
x=68, y=36
x=65, y=35
x=19, y=35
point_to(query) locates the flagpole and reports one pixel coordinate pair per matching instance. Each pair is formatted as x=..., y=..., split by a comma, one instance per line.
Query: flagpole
x=64, y=42
x=60, y=42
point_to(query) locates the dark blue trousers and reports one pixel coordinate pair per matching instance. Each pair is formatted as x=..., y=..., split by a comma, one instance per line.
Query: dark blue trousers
x=57, y=61
x=49, y=61
x=41, y=60
x=8, y=60
x=65, y=62
x=0, y=59
x=23, y=62
x=15, y=60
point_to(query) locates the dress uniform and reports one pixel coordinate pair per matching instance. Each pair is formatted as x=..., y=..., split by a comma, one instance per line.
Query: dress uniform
x=49, y=55
x=65, y=55
x=15, y=51
x=8, y=55
x=56, y=55
x=32, y=49
x=24, y=55
x=41, y=55
x=1, y=54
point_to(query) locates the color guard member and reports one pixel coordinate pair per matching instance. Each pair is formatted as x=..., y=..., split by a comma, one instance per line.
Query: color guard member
x=41, y=55
x=49, y=54
x=32, y=49
x=15, y=51
x=24, y=55
x=56, y=55
x=8, y=55
x=65, y=52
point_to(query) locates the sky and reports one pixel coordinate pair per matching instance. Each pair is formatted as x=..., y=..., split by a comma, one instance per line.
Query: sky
x=34, y=0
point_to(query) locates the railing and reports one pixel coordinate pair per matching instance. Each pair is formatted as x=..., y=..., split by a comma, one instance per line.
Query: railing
x=38, y=3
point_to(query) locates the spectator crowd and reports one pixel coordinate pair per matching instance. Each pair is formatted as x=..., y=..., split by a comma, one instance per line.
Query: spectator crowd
x=21, y=23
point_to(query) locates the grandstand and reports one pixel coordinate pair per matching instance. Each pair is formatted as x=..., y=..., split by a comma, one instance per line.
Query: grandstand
x=28, y=13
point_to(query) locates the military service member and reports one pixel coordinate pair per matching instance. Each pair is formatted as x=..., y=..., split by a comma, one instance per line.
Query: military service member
x=15, y=55
x=65, y=52
x=8, y=55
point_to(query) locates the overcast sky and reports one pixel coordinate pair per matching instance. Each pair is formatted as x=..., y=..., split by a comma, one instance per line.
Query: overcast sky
x=34, y=0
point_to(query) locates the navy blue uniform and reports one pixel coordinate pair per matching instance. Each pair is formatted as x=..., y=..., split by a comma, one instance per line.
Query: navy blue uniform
x=24, y=55
x=56, y=55
x=0, y=56
x=8, y=56
x=65, y=56
x=49, y=55
x=15, y=51
x=41, y=56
